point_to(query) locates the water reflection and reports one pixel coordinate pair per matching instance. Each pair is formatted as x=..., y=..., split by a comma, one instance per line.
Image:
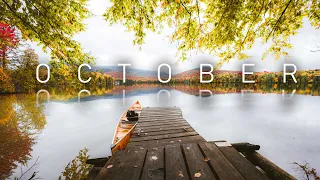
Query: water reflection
x=229, y=111
x=203, y=90
x=20, y=122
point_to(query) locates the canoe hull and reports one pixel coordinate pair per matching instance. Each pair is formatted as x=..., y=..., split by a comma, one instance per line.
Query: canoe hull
x=124, y=129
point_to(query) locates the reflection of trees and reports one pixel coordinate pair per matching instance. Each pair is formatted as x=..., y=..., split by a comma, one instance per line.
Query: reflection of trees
x=20, y=121
x=77, y=168
x=224, y=88
x=30, y=116
x=6, y=108
x=15, y=148
x=68, y=92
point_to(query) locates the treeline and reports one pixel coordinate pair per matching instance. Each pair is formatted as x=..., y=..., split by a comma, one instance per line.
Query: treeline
x=18, y=63
x=308, y=76
x=20, y=75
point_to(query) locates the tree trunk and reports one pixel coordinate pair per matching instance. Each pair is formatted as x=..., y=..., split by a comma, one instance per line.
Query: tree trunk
x=3, y=57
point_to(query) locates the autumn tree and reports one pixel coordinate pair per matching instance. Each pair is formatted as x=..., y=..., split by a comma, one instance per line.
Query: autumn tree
x=25, y=68
x=224, y=28
x=50, y=23
x=8, y=42
x=6, y=85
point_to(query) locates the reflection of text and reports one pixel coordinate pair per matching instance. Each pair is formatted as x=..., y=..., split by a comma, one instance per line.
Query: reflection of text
x=203, y=93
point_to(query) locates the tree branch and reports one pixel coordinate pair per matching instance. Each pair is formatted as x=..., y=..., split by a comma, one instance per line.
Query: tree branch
x=274, y=27
x=34, y=173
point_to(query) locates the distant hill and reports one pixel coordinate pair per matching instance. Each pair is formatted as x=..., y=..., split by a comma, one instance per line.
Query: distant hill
x=131, y=73
x=147, y=75
x=195, y=73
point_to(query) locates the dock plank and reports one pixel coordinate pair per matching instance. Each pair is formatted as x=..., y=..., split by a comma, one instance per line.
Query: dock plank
x=132, y=165
x=154, y=165
x=158, y=124
x=243, y=166
x=175, y=164
x=165, y=131
x=161, y=120
x=93, y=173
x=198, y=168
x=157, y=129
x=163, y=136
x=219, y=163
x=112, y=167
x=163, y=126
x=163, y=142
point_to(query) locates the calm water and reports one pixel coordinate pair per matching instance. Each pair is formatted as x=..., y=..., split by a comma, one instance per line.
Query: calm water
x=286, y=126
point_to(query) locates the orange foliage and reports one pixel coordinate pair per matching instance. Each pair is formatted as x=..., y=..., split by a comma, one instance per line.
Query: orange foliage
x=5, y=82
x=6, y=108
x=15, y=147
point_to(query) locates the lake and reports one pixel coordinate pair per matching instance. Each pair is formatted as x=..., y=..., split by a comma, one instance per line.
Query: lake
x=284, y=123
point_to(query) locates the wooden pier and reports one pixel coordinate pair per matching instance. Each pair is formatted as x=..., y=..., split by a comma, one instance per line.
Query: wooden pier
x=165, y=147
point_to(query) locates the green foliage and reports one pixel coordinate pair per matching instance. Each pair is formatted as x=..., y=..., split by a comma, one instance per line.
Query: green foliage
x=24, y=74
x=77, y=168
x=50, y=23
x=224, y=28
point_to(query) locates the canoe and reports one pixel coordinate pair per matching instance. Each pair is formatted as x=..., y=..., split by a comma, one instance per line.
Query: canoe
x=125, y=127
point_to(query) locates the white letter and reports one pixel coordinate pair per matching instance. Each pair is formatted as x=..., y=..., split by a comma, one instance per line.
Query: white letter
x=163, y=90
x=244, y=73
x=37, y=73
x=83, y=90
x=210, y=73
x=79, y=75
x=159, y=78
x=246, y=91
x=202, y=91
x=292, y=74
x=124, y=71
x=290, y=95
x=37, y=96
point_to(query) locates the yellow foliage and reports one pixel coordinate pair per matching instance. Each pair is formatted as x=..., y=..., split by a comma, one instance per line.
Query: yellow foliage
x=6, y=108
x=5, y=82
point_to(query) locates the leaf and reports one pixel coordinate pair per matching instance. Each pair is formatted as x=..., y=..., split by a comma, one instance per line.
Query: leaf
x=180, y=174
x=153, y=158
x=110, y=166
x=197, y=175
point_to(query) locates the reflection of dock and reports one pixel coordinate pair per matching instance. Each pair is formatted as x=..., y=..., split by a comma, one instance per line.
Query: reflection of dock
x=165, y=146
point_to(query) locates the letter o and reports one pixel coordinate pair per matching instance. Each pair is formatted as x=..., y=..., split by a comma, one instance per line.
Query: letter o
x=159, y=78
x=37, y=73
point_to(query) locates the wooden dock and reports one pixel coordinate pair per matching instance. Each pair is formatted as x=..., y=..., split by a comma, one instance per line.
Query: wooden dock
x=165, y=147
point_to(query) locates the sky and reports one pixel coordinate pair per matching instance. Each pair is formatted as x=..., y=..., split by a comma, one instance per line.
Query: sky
x=112, y=45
